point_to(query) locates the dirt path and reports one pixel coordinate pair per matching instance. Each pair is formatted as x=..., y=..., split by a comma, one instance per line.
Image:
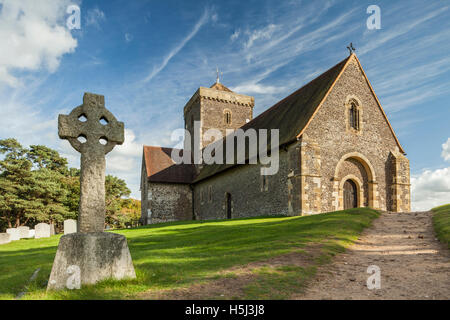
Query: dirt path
x=232, y=287
x=413, y=264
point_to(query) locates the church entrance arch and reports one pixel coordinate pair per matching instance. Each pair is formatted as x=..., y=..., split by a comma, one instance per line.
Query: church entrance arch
x=351, y=194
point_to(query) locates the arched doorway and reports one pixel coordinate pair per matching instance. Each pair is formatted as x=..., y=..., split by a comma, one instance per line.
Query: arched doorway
x=228, y=205
x=350, y=195
x=367, y=191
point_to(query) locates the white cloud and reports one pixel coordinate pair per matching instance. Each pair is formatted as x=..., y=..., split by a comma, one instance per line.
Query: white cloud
x=446, y=150
x=261, y=34
x=235, y=35
x=94, y=17
x=431, y=188
x=125, y=158
x=274, y=46
x=252, y=88
x=128, y=37
x=121, y=164
x=125, y=162
x=33, y=35
x=400, y=30
x=130, y=148
x=203, y=20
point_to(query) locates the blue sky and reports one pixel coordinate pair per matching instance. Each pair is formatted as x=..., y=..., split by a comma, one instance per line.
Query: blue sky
x=149, y=57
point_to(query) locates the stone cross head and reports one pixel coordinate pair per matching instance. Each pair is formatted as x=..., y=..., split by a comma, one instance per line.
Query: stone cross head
x=91, y=127
x=93, y=131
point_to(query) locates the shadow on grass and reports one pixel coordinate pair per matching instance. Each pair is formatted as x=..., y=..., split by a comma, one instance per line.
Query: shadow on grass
x=176, y=254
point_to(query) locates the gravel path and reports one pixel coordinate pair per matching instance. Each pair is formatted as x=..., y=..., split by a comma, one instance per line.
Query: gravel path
x=413, y=264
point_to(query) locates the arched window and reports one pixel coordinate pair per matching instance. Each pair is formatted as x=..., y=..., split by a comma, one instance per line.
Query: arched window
x=354, y=116
x=227, y=117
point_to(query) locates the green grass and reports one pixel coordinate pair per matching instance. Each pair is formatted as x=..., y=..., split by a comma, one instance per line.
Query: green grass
x=279, y=283
x=441, y=223
x=179, y=254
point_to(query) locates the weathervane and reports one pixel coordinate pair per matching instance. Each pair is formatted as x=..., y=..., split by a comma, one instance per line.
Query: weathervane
x=351, y=48
x=218, y=75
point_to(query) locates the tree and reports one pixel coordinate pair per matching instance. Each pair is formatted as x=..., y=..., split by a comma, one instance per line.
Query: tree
x=130, y=212
x=36, y=185
x=12, y=148
x=71, y=183
x=28, y=195
x=44, y=157
x=15, y=182
x=115, y=189
x=8, y=199
x=51, y=193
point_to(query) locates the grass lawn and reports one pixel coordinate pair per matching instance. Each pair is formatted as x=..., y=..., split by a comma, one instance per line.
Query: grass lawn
x=441, y=223
x=180, y=254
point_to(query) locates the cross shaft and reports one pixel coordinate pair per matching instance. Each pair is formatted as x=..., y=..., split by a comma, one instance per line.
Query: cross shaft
x=84, y=129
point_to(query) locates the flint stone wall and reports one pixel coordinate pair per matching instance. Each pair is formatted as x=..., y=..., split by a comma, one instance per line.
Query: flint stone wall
x=168, y=202
x=248, y=197
x=313, y=170
x=375, y=140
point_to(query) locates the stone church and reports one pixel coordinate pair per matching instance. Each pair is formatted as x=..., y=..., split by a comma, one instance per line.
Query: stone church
x=337, y=151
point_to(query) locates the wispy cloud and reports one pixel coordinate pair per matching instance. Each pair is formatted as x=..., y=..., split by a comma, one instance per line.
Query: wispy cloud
x=415, y=65
x=95, y=17
x=259, y=34
x=271, y=48
x=235, y=35
x=268, y=52
x=203, y=20
x=400, y=30
x=416, y=75
x=128, y=37
x=410, y=98
x=253, y=88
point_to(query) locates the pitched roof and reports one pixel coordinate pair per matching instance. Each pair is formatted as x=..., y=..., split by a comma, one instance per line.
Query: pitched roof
x=161, y=168
x=289, y=115
x=220, y=87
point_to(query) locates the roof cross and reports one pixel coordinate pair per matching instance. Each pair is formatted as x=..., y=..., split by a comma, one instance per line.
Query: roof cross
x=218, y=75
x=351, y=48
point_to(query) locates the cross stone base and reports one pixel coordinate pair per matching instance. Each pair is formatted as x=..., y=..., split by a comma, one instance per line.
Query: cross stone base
x=87, y=258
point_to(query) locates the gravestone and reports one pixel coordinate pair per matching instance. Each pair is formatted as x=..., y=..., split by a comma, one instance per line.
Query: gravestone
x=5, y=238
x=91, y=255
x=31, y=233
x=70, y=226
x=23, y=232
x=42, y=230
x=13, y=233
x=52, y=229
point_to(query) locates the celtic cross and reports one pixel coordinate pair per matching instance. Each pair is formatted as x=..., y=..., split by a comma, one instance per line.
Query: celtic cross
x=93, y=131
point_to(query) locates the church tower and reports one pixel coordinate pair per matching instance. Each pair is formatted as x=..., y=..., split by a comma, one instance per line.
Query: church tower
x=218, y=108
